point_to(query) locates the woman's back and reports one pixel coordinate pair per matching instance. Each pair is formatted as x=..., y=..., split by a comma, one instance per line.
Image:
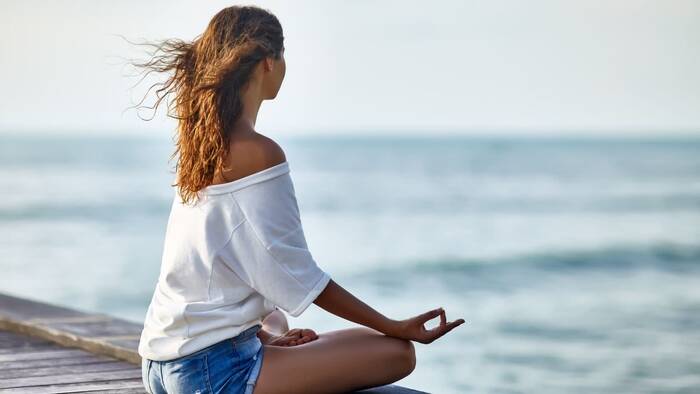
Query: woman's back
x=228, y=260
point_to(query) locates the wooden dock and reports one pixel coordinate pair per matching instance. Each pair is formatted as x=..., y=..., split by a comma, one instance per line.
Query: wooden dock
x=47, y=348
x=34, y=365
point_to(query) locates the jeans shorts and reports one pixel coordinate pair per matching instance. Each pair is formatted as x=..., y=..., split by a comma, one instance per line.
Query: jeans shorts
x=230, y=366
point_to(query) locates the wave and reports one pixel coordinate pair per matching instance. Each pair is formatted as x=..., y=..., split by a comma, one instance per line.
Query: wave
x=92, y=210
x=668, y=257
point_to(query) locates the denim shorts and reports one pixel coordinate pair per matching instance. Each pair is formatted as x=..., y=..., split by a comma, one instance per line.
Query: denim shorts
x=230, y=366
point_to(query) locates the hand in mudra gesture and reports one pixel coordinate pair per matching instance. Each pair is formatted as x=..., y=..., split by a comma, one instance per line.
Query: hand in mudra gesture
x=294, y=337
x=414, y=328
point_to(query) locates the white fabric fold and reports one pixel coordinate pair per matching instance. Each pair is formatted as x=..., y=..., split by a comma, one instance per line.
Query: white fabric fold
x=227, y=262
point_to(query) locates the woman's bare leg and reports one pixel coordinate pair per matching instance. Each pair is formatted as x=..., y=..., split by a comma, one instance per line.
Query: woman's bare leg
x=336, y=362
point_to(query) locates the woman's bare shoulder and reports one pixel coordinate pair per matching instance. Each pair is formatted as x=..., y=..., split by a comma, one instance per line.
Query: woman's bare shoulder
x=251, y=154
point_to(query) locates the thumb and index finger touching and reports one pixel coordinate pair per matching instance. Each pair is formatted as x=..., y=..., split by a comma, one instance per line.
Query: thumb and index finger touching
x=444, y=325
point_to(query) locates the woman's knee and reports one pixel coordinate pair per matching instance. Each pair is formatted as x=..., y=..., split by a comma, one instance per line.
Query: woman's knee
x=401, y=353
x=406, y=356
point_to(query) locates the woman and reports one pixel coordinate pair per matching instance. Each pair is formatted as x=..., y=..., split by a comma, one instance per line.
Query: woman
x=235, y=255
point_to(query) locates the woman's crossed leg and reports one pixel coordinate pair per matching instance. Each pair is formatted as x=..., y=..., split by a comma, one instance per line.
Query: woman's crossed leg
x=338, y=361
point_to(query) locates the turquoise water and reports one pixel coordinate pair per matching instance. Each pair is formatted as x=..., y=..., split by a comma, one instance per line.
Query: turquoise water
x=576, y=262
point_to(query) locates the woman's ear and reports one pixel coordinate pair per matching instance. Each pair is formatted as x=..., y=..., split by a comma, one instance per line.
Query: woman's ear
x=269, y=64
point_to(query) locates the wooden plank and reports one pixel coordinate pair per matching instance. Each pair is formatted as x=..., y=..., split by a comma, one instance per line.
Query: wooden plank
x=140, y=390
x=65, y=369
x=93, y=332
x=27, y=348
x=96, y=345
x=23, y=340
x=87, y=318
x=22, y=343
x=9, y=336
x=124, y=343
x=17, y=308
x=66, y=353
x=101, y=328
x=91, y=359
x=114, y=385
x=72, y=377
x=20, y=339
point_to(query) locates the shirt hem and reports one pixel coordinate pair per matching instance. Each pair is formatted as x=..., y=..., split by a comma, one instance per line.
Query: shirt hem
x=202, y=342
x=257, y=177
x=311, y=296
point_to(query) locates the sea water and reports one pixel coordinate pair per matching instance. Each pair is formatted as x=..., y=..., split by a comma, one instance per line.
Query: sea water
x=575, y=261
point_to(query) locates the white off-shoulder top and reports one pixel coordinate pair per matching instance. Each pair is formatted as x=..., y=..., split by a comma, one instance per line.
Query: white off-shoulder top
x=227, y=262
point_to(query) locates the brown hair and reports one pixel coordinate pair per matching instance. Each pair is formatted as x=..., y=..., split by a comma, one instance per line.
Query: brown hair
x=207, y=77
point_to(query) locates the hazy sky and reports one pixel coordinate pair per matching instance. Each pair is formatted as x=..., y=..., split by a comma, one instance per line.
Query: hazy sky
x=385, y=66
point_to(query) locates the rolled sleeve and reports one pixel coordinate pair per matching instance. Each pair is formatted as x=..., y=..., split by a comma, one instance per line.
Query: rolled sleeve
x=268, y=251
x=284, y=272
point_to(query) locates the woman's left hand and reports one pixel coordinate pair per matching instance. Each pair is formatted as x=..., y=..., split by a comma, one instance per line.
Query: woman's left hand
x=294, y=337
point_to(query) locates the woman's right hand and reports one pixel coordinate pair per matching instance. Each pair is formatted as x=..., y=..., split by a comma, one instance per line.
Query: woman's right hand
x=413, y=329
x=293, y=337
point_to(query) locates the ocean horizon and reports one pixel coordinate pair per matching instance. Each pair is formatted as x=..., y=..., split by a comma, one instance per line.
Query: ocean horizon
x=574, y=260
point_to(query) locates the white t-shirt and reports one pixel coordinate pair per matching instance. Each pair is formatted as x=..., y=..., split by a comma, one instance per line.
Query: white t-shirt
x=229, y=261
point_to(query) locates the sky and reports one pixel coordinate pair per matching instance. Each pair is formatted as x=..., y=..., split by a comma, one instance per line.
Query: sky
x=376, y=67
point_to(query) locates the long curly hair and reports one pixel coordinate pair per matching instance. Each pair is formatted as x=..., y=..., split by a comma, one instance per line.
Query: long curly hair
x=207, y=76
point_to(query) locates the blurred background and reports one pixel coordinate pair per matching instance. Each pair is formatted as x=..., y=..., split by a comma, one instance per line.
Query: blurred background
x=532, y=167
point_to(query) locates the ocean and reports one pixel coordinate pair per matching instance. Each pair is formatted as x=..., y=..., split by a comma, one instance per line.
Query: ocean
x=575, y=261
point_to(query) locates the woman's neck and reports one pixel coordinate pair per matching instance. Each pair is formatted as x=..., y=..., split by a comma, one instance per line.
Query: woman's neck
x=251, y=99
